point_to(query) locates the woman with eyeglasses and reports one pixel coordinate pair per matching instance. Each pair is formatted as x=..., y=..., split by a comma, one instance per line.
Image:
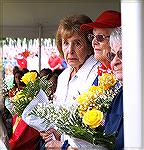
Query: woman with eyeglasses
x=106, y=41
x=115, y=56
x=102, y=28
x=107, y=46
x=114, y=118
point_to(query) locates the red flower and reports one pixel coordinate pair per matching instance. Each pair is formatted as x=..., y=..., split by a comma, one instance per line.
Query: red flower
x=25, y=54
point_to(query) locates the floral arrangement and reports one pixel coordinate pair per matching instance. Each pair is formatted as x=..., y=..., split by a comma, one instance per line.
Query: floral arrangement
x=85, y=120
x=30, y=91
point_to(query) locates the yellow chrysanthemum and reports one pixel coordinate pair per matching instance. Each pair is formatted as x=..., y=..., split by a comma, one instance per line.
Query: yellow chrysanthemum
x=81, y=98
x=96, y=89
x=93, y=118
x=107, y=81
x=84, y=97
x=29, y=76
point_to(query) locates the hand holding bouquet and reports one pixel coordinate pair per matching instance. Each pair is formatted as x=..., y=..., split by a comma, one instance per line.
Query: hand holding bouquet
x=85, y=120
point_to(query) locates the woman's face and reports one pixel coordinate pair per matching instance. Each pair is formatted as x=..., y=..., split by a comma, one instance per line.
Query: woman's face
x=18, y=78
x=75, y=50
x=101, y=48
x=116, y=63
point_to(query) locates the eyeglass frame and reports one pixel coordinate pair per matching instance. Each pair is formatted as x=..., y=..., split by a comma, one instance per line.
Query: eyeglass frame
x=96, y=36
x=119, y=54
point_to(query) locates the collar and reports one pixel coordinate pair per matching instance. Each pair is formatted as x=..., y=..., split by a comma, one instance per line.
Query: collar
x=86, y=68
x=104, y=69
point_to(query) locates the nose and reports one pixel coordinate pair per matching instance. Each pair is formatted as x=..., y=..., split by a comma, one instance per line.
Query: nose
x=71, y=49
x=95, y=42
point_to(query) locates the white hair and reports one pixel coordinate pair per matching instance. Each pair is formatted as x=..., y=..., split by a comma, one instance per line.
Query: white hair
x=116, y=36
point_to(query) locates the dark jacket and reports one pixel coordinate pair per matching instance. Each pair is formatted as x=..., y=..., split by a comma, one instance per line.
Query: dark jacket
x=7, y=120
x=114, y=120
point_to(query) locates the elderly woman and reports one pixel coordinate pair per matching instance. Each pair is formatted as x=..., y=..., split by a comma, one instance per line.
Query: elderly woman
x=102, y=29
x=114, y=118
x=76, y=49
x=108, y=50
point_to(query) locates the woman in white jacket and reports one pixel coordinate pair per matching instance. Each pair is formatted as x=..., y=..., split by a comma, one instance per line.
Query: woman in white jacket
x=75, y=48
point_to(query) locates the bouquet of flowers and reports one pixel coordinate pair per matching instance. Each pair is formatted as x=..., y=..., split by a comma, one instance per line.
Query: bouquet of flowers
x=30, y=91
x=85, y=120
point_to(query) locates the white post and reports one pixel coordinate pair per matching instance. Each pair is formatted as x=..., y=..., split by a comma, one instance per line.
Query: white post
x=142, y=68
x=132, y=76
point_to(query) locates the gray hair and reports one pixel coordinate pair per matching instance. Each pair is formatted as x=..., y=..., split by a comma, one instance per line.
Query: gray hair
x=116, y=36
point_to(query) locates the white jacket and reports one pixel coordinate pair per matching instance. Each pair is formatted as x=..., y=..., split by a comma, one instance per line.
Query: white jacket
x=83, y=79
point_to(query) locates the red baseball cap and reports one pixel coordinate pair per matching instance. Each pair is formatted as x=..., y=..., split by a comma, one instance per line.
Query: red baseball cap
x=107, y=19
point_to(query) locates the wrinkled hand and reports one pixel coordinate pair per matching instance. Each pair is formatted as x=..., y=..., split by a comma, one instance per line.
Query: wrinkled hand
x=47, y=136
x=53, y=145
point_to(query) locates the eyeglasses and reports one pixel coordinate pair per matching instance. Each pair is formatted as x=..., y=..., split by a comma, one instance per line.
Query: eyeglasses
x=99, y=37
x=112, y=55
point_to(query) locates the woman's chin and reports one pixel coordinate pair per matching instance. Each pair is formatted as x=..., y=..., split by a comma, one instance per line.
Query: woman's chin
x=73, y=65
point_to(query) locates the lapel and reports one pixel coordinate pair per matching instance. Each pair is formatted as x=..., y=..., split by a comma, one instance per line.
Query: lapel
x=87, y=68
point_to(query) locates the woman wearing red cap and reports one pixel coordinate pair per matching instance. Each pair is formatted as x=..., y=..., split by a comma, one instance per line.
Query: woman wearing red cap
x=106, y=41
x=102, y=29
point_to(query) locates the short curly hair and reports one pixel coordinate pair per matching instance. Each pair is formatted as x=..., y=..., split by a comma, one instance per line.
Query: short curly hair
x=69, y=26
